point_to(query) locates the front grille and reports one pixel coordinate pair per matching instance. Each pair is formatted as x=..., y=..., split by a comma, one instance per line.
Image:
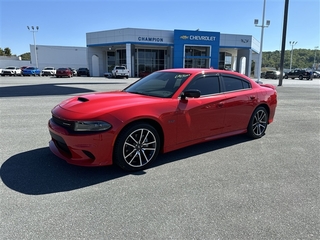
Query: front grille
x=69, y=125
x=60, y=144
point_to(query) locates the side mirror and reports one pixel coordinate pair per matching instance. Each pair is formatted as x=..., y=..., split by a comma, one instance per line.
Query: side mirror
x=191, y=93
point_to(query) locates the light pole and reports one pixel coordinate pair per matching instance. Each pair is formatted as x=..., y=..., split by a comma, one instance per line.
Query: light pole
x=256, y=22
x=315, y=57
x=292, y=43
x=33, y=30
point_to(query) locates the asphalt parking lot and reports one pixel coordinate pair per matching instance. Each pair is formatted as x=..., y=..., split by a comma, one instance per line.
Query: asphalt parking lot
x=232, y=188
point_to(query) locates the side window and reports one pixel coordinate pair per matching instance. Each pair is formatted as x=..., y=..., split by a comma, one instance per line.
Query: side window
x=206, y=85
x=234, y=84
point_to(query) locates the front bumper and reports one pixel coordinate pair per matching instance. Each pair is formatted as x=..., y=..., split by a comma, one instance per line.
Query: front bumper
x=81, y=149
x=48, y=74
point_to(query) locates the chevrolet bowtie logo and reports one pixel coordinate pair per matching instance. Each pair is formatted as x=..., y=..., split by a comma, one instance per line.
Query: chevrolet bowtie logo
x=244, y=40
x=184, y=37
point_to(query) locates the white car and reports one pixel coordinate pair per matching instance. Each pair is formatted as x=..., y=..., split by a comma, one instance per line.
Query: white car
x=48, y=71
x=11, y=71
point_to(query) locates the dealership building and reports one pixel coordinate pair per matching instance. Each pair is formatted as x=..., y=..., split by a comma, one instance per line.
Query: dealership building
x=147, y=50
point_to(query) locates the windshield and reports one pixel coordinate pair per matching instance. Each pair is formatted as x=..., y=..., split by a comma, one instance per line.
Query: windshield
x=158, y=84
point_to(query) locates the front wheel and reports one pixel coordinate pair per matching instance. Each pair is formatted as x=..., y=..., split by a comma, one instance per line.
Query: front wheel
x=136, y=147
x=258, y=123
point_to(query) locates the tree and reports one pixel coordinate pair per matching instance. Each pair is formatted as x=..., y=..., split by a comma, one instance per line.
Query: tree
x=301, y=58
x=7, y=52
x=25, y=56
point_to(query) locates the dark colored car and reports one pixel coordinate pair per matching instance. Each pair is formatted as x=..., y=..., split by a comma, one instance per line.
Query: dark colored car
x=272, y=74
x=23, y=67
x=162, y=112
x=31, y=71
x=144, y=74
x=83, y=72
x=64, y=72
x=316, y=74
x=299, y=73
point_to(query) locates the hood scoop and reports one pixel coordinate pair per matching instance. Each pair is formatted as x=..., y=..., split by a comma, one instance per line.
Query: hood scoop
x=83, y=99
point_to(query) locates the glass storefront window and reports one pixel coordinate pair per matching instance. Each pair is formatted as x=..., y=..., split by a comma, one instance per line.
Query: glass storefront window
x=197, y=56
x=149, y=60
x=121, y=57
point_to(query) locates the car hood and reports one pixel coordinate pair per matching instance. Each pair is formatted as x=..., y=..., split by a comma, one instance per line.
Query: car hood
x=97, y=104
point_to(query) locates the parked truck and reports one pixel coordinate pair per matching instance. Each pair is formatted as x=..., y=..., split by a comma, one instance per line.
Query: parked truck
x=120, y=71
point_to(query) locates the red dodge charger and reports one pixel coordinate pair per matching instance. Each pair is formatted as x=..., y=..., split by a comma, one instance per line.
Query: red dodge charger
x=161, y=112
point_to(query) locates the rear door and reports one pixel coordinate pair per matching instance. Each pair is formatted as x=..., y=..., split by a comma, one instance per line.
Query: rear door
x=240, y=101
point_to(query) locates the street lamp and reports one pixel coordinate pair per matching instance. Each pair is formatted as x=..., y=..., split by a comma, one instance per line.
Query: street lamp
x=33, y=30
x=256, y=22
x=292, y=43
x=315, y=57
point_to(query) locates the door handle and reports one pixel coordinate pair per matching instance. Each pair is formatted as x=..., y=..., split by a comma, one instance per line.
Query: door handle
x=252, y=97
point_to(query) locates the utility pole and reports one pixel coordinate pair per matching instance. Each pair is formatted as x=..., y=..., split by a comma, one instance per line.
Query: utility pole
x=33, y=30
x=284, y=36
x=292, y=43
x=256, y=22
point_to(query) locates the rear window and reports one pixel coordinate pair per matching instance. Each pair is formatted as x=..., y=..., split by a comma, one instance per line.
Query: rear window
x=122, y=68
x=234, y=84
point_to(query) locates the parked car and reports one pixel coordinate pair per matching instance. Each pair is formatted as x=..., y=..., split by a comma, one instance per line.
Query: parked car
x=316, y=74
x=144, y=73
x=64, y=72
x=83, y=71
x=23, y=67
x=272, y=74
x=48, y=71
x=11, y=71
x=31, y=71
x=299, y=73
x=74, y=71
x=161, y=112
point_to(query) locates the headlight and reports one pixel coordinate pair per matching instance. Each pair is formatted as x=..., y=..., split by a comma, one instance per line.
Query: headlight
x=91, y=126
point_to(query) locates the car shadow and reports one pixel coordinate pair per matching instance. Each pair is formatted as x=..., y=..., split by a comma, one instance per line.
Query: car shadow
x=39, y=172
x=47, y=89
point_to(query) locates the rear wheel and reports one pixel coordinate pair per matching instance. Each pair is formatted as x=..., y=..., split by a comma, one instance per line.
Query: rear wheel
x=258, y=123
x=136, y=147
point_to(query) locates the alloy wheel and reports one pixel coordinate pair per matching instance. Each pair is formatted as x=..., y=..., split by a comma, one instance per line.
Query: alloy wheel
x=139, y=147
x=259, y=123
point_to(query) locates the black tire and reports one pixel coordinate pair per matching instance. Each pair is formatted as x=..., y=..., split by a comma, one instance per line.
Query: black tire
x=300, y=77
x=258, y=123
x=136, y=147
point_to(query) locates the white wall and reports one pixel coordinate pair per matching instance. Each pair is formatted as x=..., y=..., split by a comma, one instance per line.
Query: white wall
x=12, y=61
x=59, y=56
